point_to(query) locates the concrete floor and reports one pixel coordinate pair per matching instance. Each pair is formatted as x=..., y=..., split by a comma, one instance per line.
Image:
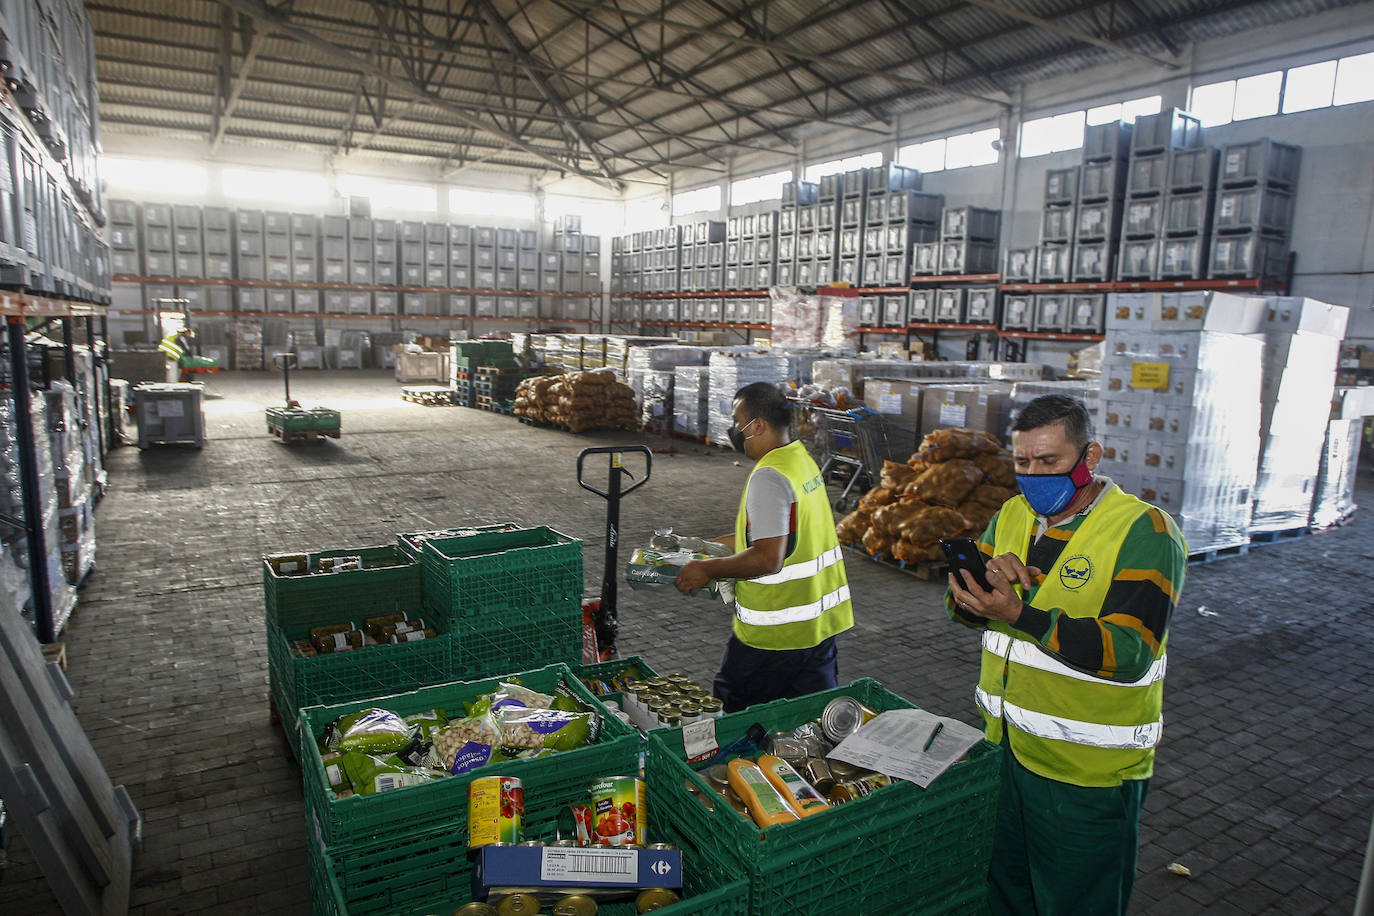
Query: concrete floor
x=1264, y=784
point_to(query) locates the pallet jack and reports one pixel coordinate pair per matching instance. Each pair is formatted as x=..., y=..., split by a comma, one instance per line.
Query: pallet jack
x=294, y=422
x=600, y=612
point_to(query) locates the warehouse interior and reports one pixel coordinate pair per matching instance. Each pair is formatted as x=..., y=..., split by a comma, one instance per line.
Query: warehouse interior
x=314, y=309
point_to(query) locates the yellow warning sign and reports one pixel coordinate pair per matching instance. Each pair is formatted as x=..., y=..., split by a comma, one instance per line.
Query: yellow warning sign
x=1153, y=376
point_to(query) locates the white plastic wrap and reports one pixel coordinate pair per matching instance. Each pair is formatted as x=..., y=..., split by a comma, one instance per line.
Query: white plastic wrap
x=691, y=400
x=802, y=320
x=1335, y=498
x=729, y=373
x=1190, y=447
x=656, y=401
x=1022, y=393
x=1299, y=377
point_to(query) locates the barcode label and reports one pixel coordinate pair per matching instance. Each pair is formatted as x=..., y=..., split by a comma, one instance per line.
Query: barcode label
x=385, y=783
x=607, y=866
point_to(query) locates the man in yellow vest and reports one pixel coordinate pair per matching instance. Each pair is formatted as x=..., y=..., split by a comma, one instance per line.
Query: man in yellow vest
x=791, y=591
x=1084, y=580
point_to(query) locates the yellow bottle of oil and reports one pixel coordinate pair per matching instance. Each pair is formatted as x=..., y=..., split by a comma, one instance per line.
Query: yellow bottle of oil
x=800, y=795
x=766, y=804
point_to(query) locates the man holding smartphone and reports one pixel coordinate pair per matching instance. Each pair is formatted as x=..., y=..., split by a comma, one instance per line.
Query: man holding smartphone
x=1084, y=579
x=791, y=591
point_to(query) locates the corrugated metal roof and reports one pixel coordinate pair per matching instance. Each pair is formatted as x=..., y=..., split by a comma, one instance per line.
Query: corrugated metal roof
x=627, y=74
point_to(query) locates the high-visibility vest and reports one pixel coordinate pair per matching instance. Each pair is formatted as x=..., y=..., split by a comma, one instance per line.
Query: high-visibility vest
x=807, y=601
x=171, y=348
x=1064, y=723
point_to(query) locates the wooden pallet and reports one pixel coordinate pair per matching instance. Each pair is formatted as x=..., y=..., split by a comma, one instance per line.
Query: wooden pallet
x=297, y=435
x=927, y=572
x=1262, y=538
x=428, y=395
x=1217, y=553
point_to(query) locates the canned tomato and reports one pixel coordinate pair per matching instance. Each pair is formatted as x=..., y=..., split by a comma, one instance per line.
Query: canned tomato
x=619, y=813
x=843, y=716
x=582, y=824
x=496, y=810
x=849, y=789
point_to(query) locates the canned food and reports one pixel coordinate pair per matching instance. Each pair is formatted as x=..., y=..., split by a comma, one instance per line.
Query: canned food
x=563, y=844
x=667, y=720
x=611, y=705
x=658, y=683
x=496, y=810
x=788, y=748
x=619, y=811
x=655, y=899
x=690, y=711
x=582, y=824
x=575, y=905
x=712, y=707
x=624, y=717
x=857, y=787
x=539, y=844
x=811, y=735
x=718, y=777
x=677, y=677
x=661, y=847
x=518, y=905
x=818, y=772
x=476, y=908
x=842, y=717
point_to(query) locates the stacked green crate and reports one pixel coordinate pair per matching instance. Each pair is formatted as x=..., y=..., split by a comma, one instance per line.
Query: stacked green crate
x=899, y=848
x=388, y=582
x=512, y=599
x=405, y=851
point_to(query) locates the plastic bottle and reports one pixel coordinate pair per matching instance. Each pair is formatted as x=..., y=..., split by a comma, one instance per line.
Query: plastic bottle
x=747, y=746
x=800, y=795
x=767, y=806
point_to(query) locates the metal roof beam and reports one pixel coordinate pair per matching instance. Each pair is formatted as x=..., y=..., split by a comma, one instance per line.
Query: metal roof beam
x=522, y=58
x=916, y=19
x=1075, y=34
x=251, y=41
x=1153, y=24
x=281, y=22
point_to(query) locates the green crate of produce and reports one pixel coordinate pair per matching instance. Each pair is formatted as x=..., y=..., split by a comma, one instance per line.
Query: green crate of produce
x=430, y=872
x=388, y=580
x=599, y=678
x=506, y=572
x=922, y=850
x=300, y=419
x=341, y=823
x=297, y=681
x=483, y=647
x=413, y=542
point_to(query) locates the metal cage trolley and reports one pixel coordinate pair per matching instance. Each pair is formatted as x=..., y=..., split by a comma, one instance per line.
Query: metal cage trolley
x=854, y=444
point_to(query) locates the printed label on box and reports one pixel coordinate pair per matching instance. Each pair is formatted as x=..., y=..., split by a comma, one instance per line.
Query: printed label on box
x=170, y=409
x=890, y=403
x=613, y=866
x=699, y=740
x=1154, y=376
x=953, y=414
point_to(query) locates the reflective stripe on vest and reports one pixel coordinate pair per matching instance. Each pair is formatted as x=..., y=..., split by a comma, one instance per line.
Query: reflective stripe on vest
x=170, y=347
x=1031, y=655
x=802, y=570
x=1093, y=734
x=793, y=614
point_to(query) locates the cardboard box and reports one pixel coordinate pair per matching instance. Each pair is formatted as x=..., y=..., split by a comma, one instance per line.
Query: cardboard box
x=601, y=870
x=1210, y=311
x=985, y=407
x=1295, y=313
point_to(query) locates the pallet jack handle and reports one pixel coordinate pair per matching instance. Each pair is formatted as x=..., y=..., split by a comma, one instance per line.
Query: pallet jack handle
x=286, y=361
x=607, y=621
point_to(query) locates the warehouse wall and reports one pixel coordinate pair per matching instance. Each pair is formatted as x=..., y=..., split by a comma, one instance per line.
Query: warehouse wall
x=1334, y=216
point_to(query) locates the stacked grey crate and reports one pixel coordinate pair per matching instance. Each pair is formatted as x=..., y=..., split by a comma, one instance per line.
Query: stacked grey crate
x=853, y=210
x=1155, y=140
x=360, y=253
x=156, y=231
x=1187, y=228
x=798, y=198
x=411, y=250
x=1254, y=209
x=124, y=242
x=968, y=246
x=276, y=228
x=334, y=249
x=912, y=225
x=817, y=261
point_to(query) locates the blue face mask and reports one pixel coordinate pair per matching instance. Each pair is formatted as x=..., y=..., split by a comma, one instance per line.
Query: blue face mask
x=1050, y=494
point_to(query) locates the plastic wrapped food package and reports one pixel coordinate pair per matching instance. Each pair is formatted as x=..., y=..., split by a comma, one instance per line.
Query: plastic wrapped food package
x=657, y=566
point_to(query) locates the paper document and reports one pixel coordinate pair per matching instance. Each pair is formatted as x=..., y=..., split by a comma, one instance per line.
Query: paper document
x=894, y=744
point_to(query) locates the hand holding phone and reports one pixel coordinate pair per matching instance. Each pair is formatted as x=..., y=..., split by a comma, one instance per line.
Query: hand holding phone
x=965, y=557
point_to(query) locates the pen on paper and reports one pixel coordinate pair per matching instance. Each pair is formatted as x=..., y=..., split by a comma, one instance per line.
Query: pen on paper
x=939, y=727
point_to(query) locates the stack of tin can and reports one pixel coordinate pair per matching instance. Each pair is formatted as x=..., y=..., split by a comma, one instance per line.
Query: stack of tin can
x=671, y=701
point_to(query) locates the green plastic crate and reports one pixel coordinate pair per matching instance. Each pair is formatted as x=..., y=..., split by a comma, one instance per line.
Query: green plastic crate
x=373, y=671
x=923, y=850
x=506, y=572
x=484, y=647
x=300, y=419
x=413, y=542
x=430, y=872
x=341, y=823
x=389, y=581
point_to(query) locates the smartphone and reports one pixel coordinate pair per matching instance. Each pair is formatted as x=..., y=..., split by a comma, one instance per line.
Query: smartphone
x=963, y=554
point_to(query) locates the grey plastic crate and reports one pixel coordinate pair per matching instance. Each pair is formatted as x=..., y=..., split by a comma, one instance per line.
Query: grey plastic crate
x=1267, y=161
x=925, y=259
x=1087, y=313
x=872, y=273
x=1188, y=213
x=1193, y=169
x=800, y=193
x=1149, y=175
x=1106, y=141
x=827, y=245
x=807, y=218
x=870, y=311
x=965, y=256
x=169, y=414
x=1143, y=218
x=974, y=223
x=1057, y=224
x=896, y=269
x=1138, y=259
x=1183, y=259
x=1254, y=209
x=1051, y=313
x=1249, y=255
x=1104, y=180
x=1172, y=128
x=1061, y=185
x=894, y=311
x=1018, y=266
x=982, y=305
x=1055, y=264
x=827, y=215
x=851, y=242
x=830, y=186
x=1018, y=311
x=847, y=270
x=884, y=179
x=950, y=302
x=915, y=207
x=852, y=211
x=921, y=306
x=1098, y=222
x=1092, y=261
x=855, y=182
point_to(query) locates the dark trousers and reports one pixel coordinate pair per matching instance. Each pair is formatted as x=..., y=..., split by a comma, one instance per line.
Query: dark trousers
x=749, y=676
x=1060, y=849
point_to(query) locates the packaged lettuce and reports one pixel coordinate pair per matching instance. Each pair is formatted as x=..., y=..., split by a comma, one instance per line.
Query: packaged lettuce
x=370, y=731
x=467, y=744
x=544, y=728
x=369, y=774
